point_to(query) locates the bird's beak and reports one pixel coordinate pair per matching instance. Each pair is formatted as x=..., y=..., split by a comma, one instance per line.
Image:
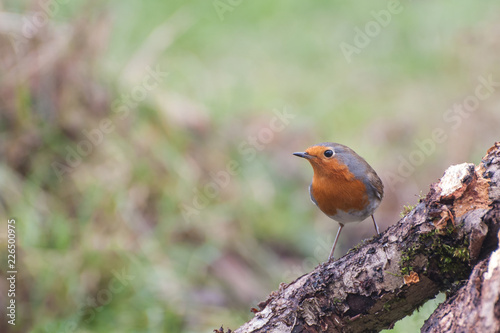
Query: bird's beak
x=303, y=155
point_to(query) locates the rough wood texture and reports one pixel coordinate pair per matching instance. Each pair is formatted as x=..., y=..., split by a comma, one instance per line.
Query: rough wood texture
x=388, y=277
x=475, y=307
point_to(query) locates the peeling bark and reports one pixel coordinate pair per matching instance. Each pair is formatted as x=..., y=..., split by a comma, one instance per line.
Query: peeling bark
x=433, y=247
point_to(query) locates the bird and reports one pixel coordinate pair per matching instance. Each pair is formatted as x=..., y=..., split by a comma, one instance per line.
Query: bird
x=344, y=186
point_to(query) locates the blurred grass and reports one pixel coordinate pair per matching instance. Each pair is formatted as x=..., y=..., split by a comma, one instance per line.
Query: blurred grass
x=106, y=247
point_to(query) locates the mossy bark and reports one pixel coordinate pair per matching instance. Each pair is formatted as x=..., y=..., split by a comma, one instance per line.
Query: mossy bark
x=475, y=307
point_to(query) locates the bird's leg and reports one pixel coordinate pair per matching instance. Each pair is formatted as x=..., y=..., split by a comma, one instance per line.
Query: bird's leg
x=335, y=242
x=376, y=226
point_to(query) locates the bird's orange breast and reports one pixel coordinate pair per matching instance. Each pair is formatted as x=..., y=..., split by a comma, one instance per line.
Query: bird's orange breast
x=335, y=188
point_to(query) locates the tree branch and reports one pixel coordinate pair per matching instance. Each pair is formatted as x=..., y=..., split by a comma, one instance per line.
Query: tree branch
x=388, y=277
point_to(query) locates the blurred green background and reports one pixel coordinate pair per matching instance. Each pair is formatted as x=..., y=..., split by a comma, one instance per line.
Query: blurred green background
x=145, y=146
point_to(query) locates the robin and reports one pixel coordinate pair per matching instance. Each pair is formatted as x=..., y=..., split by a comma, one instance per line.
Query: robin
x=344, y=185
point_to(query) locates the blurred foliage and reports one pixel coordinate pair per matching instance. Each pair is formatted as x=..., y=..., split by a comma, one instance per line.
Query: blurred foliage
x=103, y=163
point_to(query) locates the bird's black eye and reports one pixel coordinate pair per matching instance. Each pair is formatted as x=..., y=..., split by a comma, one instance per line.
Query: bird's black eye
x=328, y=153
